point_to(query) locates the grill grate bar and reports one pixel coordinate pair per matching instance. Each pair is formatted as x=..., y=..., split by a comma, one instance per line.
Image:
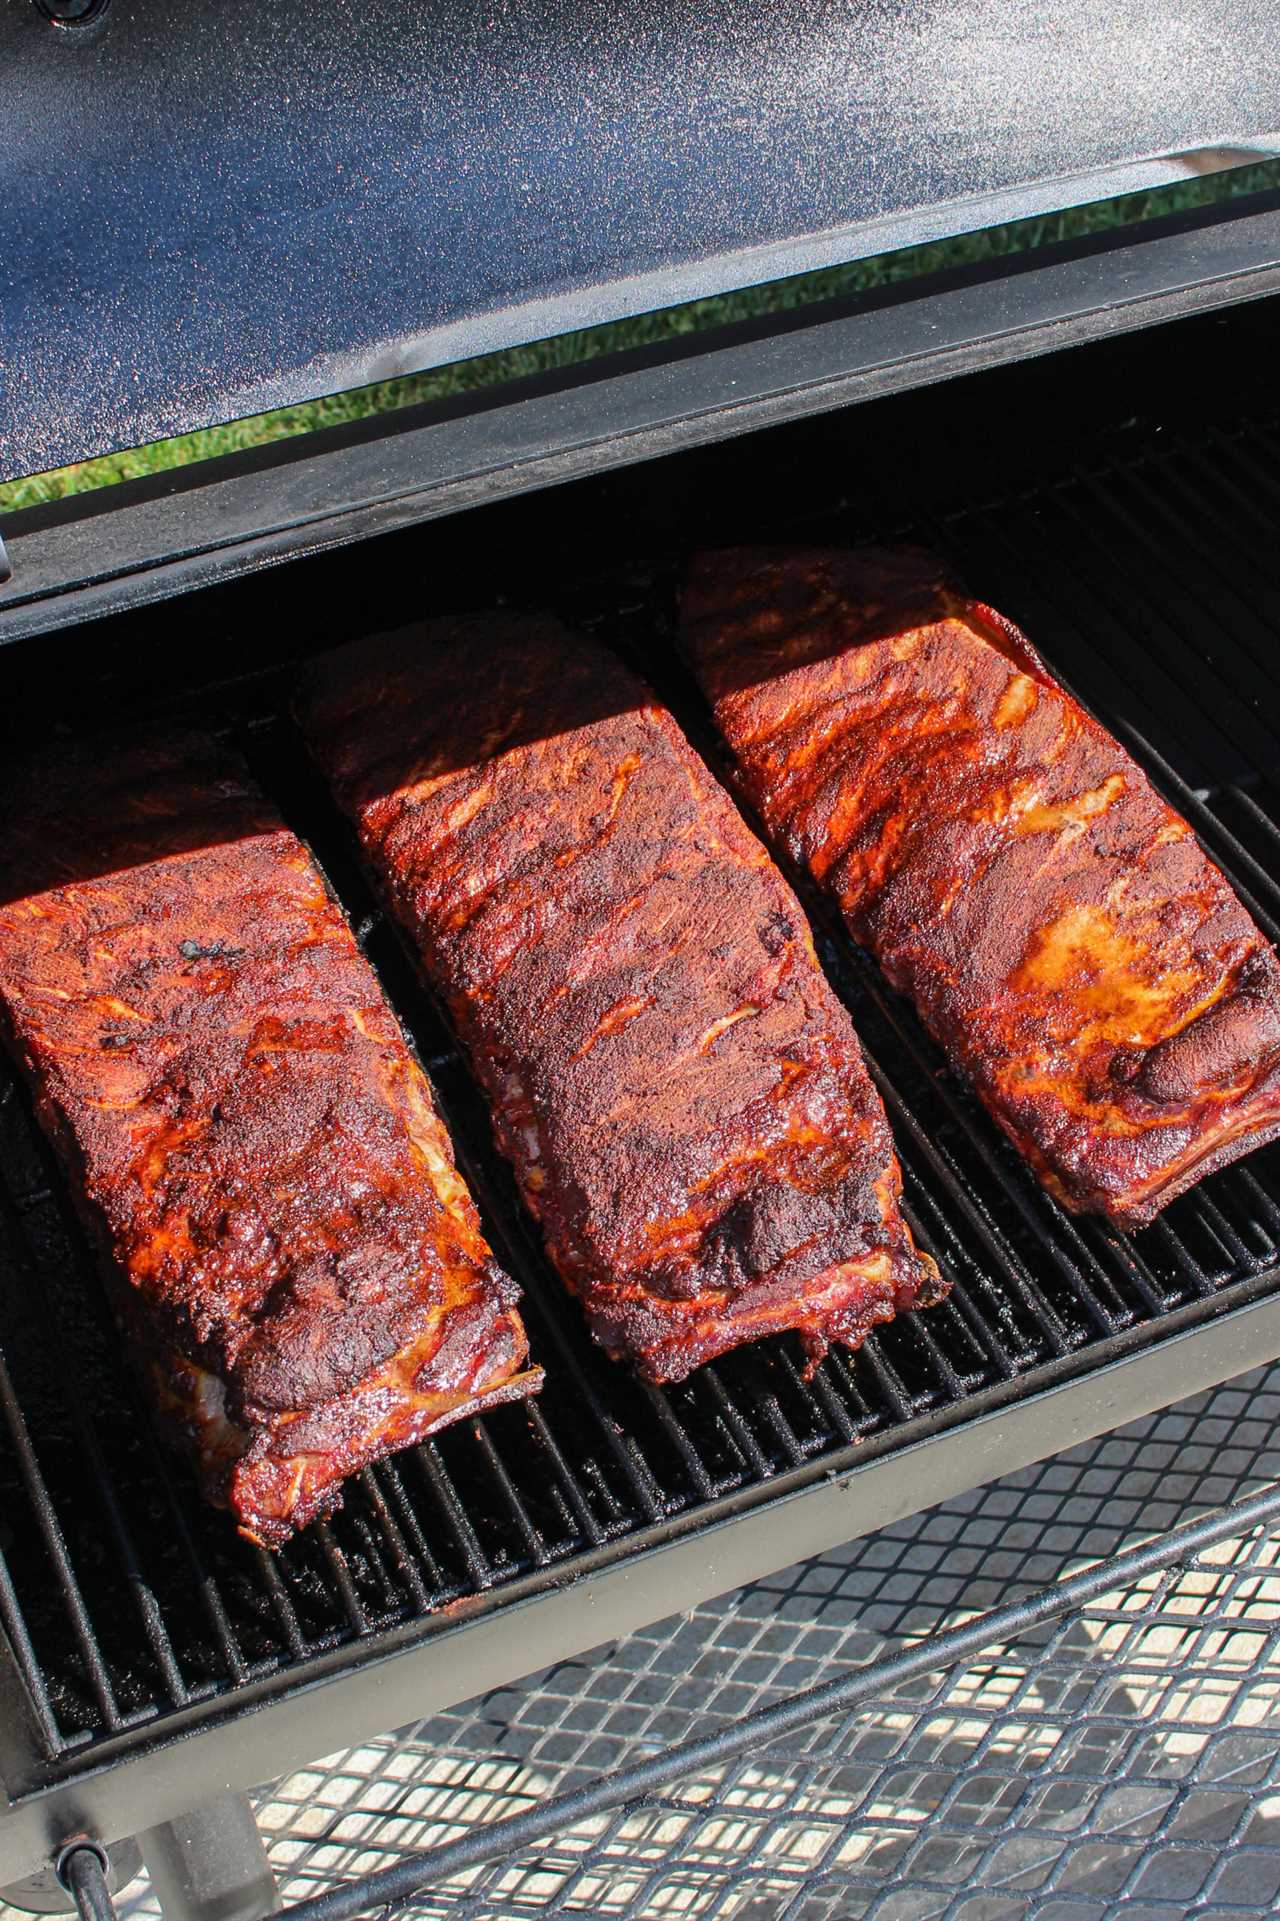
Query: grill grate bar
x=1168, y=564
x=750, y=1371
x=285, y=1612
x=557, y=1340
x=338, y=1568
x=1181, y=1255
x=938, y=1361
x=1012, y=1348
x=748, y=1448
x=1226, y=1235
x=405, y=1564
x=887, y=1378
x=1255, y=449
x=943, y=1170
x=455, y=1516
x=1124, y=1250
x=1261, y=819
x=232, y=1657
x=841, y=1367
x=535, y=1546
x=1240, y=577
x=19, y=1635
x=1263, y=1200
x=105, y=1494
x=1253, y=452
x=51, y=1532
x=388, y=1473
x=565, y=1480
x=822, y=1393
x=694, y=1465
x=1004, y=1358
x=1215, y=483
x=1162, y=632
x=372, y=1558
x=1081, y=1259
x=1013, y=1180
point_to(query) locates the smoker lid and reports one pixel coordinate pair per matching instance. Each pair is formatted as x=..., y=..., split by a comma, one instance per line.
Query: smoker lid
x=231, y=205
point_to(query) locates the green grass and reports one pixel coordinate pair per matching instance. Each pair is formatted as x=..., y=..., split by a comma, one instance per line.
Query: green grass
x=569, y=349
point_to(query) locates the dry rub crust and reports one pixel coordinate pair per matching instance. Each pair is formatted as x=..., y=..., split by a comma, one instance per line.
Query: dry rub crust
x=682, y=1095
x=296, y=1262
x=1012, y=869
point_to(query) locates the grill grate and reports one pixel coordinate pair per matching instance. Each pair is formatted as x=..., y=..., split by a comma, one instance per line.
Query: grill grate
x=1142, y=578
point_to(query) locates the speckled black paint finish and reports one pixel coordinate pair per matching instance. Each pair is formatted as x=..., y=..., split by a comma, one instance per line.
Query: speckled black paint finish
x=211, y=209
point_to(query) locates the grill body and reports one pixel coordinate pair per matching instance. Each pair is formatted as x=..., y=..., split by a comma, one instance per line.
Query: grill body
x=1125, y=521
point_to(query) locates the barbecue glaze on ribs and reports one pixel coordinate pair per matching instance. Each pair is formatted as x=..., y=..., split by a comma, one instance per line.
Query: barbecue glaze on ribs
x=294, y=1257
x=682, y=1095
x=1012, y=869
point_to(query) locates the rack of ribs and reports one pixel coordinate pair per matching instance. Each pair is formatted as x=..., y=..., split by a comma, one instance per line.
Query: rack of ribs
x=681, y=1094
x=294, y=1259
x=1057, y=925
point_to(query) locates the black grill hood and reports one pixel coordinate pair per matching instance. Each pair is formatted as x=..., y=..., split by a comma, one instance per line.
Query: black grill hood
x=216, y=208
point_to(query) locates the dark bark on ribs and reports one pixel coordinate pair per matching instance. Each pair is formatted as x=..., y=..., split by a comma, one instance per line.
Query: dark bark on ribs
x=682, y=1095
x=1057, y=925
x=295, y=1259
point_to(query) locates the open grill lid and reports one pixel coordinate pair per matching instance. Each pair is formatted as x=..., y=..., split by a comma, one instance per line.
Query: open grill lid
x=232, y=205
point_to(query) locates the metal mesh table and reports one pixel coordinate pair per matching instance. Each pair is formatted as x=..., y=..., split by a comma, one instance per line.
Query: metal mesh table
x=1122, y=1758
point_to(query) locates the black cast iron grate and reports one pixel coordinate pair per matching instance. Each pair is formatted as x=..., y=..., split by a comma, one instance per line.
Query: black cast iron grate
x=1149, y=584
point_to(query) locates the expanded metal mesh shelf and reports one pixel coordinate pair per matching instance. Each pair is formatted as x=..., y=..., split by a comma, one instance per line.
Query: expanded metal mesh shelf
x=130, y=1606
x=1123, y=1761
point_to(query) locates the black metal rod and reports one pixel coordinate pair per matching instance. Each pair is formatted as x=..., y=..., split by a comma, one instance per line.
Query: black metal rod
x=495, y=1841
x=82, y=1870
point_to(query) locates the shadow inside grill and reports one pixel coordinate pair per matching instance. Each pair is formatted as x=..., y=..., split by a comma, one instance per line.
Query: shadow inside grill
x=127, y=1600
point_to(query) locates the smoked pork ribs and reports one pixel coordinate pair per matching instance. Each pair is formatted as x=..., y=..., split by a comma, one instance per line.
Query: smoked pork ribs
x=1057, y=925
x=293, y=1256
x=680, y=1092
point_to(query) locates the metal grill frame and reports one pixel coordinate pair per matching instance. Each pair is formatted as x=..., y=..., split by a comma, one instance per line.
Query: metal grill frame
x=794, y=1514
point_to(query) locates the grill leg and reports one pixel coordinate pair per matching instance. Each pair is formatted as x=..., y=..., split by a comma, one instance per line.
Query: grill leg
x=44, y=1893
x=211, y=1865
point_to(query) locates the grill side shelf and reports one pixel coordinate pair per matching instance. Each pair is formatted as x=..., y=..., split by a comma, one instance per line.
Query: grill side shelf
x=496, y=1840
